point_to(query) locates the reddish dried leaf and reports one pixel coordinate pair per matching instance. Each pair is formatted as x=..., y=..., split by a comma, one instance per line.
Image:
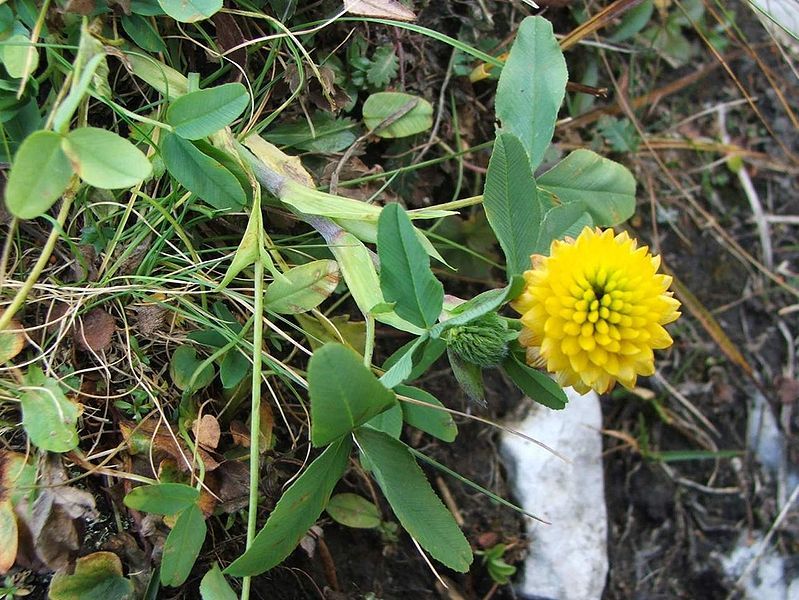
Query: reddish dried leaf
x=207, y=432
x=240, y=433
x=144, y=438
x=95, y=330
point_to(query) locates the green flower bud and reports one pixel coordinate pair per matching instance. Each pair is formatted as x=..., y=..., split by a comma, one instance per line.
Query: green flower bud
x=483, y=341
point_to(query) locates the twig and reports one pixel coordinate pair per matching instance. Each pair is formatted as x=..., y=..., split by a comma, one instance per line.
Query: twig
x=446, y=495
x=752, y=196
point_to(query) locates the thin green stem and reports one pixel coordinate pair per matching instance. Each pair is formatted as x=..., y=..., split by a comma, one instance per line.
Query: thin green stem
x=369, y=345
x=7, y=251
x=44, y=258
x=255, y=416
x=458, y=204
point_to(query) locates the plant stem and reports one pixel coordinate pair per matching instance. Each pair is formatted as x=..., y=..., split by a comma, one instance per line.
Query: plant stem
x=44, y=258
x=456, y=204
x=255, y=416
x=369, y=345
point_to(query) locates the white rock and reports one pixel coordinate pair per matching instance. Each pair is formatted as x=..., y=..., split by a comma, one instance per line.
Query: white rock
x=766, y=580
x=567, y=559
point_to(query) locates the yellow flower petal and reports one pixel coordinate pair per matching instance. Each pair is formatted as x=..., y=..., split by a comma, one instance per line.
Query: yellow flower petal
x=593, y=311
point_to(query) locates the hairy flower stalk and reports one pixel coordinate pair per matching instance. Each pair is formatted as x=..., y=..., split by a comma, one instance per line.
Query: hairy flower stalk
x=594, y=310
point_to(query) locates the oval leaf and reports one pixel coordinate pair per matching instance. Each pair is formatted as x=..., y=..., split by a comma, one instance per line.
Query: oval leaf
x=97, y=576
x=295, y=512
x=531, y=87
x=405, y=275
x=354, y=511
x=606, y=188
x=201, y=174
x=396, y=115
x=39, y=175
x=201, y=113
x=413, y=501
x=344, y=393
x=190, y=11
x=182, y=546
x=433, y=420
x=303, y=288
x=182, y=369
x=105, y=160
x=538, y=386
x=162, y=498
x=20, y=56
x=12, y=340
x=48, y=416
x=215, y=587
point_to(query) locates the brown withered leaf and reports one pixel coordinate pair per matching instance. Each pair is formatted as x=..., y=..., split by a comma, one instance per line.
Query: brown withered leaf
x=80, y=7
x=51, y=532
x=229, y=35
x=207, y=431
x=12, y=340
x=234, y=485
x=384, y=9
x=95, y=330
x=135, y=258
x=150, y=319
x=149, y=437
x=240, y=434
x=9, y=536
x=15, y=478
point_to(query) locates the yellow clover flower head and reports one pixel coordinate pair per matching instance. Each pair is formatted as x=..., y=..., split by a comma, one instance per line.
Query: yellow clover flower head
x=594, y=309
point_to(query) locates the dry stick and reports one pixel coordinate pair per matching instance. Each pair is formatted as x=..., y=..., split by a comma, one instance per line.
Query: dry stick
x=752, y=196
x=439, y=111
x=598, y=21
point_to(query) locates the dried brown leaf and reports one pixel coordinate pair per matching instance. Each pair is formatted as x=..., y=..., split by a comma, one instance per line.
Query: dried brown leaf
x=147, y=437
x=150, y=319
x=51, y=532
x=95, y=331
x=234, y=485
x=207, y=431
x=9, y=536
x=384, y=9
x=229, y=35
x=12, y=340
x=80, y=7
x=240, y=433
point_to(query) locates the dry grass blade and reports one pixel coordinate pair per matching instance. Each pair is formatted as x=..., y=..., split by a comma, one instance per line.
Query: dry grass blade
x=597, y=22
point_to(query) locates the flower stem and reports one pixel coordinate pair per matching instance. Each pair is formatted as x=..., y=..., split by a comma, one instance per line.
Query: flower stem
x=255, y=416
x=44, y=258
